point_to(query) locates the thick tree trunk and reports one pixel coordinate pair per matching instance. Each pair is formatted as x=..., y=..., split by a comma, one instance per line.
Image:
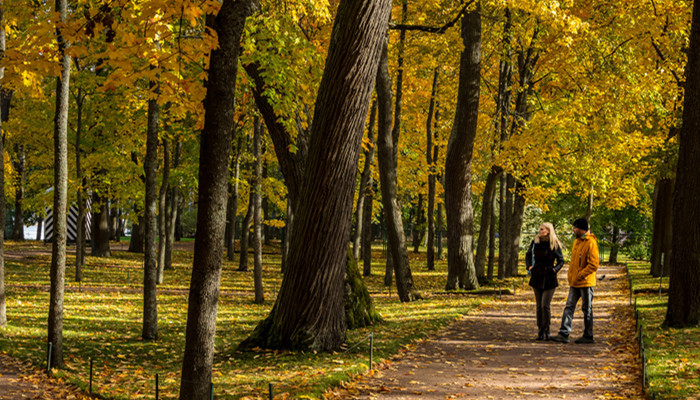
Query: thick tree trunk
x=359, y=309
x=138, y=232
x=684, y=288
x=458, y=196
x=19, y=165
x=245, y=231
x=100, y=226
x=287, y=236
x=487, y=214
x=211, y=212
x=365, y=178
x=387, y=174
x=163, y=209
x=150, y=261
x=431, y=153
x=256, y=188
x=60, y=199
x=367, y=229
x=232, y=206
x=309, y=311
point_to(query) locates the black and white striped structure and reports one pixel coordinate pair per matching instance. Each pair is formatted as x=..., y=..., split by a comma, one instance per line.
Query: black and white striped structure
x=71, y=222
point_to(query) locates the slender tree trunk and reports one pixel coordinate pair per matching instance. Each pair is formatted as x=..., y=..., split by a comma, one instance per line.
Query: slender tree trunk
x=589, y=206
x=309, y=312
x=662, y=237
x=163, y=210
x=387, y=174
x=438, y=234
x=612, y=259
x=516, y=227
x=233, y=202
x=487, y=214
x=82, y=209
x=178, y=222
x=418, y=228
x=100, y=224
x=431, y=158
x=3, y=117
x=245, y=230
x=503, y=222
x=492, y=239
x=39, y=227
x=367, y=229
x=684, y=287
x=265, y=204
x=172, y=212
x=256, y=198
x=150, y=262
x=458, y=160
x=19, y=165
x=138, y=232
x=60, y=199
x=287, y=236
x=213, y=175
x=364, y=184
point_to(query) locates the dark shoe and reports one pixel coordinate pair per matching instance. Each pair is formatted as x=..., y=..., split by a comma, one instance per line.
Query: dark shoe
x=546, y=336
x=540, y=336
x=584, y=339
x=560, y=338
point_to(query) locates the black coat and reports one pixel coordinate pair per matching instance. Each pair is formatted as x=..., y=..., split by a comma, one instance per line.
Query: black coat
x=547, y=263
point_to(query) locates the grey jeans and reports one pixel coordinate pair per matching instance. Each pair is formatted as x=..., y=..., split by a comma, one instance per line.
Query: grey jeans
x=586, y=295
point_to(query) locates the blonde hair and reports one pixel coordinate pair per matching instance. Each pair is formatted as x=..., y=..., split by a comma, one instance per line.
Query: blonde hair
x=554, y=242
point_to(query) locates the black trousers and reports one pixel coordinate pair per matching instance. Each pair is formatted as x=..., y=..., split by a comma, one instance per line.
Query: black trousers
x=543, y=299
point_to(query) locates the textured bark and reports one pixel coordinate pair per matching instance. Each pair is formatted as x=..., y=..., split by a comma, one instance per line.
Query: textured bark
x=438, y=234
x=285, y=242
x=163, y=209
x=60, y=199
x=419, y=225
x=150, y=260
x=431, y=155
x=100, y=226
x=492, y=240
x=19, y=163
x=232, y=206
x=458, y=159
x=387, y=175
x=662, y=237
x=515, y=228
x=487, y=214
x=365, y=178
x=138, y=231
x=359, y=309
x=684, y=287
x=503, y=218
x=256, y=189
x=215, y=146
x=367, y=229
x=245, y=231
x=309, y=311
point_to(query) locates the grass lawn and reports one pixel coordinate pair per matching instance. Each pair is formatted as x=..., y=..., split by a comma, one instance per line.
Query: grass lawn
x=673, y=355
x=103, y=321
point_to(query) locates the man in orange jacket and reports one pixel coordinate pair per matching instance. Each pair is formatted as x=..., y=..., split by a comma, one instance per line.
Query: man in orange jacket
x=582, y=278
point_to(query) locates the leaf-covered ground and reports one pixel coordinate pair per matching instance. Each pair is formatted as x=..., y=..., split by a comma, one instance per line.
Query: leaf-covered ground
x=672, y=354
x=103, y=317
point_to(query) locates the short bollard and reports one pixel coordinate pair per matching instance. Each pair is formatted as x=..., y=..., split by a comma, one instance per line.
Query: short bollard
x=48, y=360
x=90, y=375
x=371, y=349
x=272, y=390
x=211, y=391
x=156, y=386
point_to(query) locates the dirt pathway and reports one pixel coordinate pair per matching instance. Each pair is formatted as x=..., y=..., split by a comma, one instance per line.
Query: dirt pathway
x=493, y=354
x=19, y=380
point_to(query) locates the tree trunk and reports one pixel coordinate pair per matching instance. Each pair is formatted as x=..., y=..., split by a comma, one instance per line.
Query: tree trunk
x=359, y=309
x=233, y=202
x=367, y=229
x=589, y=206
x=114, y=221
x=211, y=212
x=387, y=175
x=245, y=230
x=256, y=198
x=503, y=221
x=684, y=287
x=458, y=160
x=365, y=178
x=178, y=222
x=615, y=246
x=172, y=211
x=19, y=165
x=82, y=209
x=515, y=228
x=487, y=214
x=265, y=207
x=662, y=236
x=39, y=228
x=60, y=198
x=492, y=238
x=138, y=232
x=438, y=234
x=431, y=153
x=287, y=236
x=163, y=210
x=100, y=226
x=150, y=261
x=309, y=311
x=418, y=227
x=3, y=117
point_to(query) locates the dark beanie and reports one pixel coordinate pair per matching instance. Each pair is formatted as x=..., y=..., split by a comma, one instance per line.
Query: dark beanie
x=581, y=223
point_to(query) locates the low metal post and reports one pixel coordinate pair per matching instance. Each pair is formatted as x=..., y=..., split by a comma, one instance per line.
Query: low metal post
x=156, y=386
x=48, y=360
x=211, y=391
x=271, y=390
x=371, y=349
x=90, y=375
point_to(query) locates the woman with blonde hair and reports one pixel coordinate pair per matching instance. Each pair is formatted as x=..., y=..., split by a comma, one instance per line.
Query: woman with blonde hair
x=543, y=260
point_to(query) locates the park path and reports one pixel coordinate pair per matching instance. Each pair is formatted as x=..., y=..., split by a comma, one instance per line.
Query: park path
x=492, y=354
x=19, y=381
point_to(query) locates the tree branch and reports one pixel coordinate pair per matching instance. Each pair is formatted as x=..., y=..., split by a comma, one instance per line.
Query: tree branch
x=431, y=29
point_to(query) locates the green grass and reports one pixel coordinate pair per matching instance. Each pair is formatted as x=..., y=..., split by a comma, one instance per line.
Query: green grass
x=103, y=320
x=673, y=355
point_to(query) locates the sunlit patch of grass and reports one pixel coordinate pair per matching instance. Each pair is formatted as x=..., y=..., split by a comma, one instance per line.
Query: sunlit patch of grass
x=673, y=355
x=103, y=322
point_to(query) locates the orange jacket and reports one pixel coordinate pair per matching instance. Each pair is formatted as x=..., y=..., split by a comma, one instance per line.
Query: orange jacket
x=584, y=262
